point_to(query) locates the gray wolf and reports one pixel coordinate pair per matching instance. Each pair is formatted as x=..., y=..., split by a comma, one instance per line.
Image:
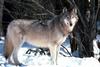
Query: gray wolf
x=50, y=34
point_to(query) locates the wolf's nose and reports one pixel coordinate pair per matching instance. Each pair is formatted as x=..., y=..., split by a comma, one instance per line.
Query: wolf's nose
x=70, y=24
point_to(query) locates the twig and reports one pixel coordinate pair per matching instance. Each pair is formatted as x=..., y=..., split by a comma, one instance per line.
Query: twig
x=43, y=8
x=66, y=50
x=9, y=12
x=96, y=13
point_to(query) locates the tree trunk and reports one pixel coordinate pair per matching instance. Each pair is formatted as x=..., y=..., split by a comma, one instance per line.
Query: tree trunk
x=88, y=32
x=86, y=29
x=1, y=14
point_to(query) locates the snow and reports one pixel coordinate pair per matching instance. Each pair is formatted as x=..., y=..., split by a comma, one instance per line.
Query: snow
x=38, y=60
x=96, y=49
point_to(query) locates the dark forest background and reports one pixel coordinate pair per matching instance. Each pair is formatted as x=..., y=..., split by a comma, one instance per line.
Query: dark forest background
x=84, y=32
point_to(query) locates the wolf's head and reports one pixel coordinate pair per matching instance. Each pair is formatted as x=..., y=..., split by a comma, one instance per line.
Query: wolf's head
x=70, y=18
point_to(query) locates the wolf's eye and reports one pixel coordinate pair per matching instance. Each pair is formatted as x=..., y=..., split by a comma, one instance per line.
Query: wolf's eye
x=68, y=17
x=72, y=16
x=66, y=21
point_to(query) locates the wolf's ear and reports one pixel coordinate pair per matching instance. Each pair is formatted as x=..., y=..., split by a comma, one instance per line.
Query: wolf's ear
x=64, y=10
x=74, y=11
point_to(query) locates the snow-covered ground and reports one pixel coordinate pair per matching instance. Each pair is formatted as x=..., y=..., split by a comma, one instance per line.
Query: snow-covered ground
x=38, y=60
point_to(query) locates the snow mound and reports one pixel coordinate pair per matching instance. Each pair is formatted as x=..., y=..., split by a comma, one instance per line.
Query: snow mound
x=44, y=61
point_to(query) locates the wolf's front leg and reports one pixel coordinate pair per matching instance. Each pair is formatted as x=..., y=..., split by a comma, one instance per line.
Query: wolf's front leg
x=54, y=53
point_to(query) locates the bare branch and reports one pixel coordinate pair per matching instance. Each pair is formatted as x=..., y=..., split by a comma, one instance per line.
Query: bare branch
x=41, y=14
x=9, y=12
x=95, y=18
x=43, y=8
